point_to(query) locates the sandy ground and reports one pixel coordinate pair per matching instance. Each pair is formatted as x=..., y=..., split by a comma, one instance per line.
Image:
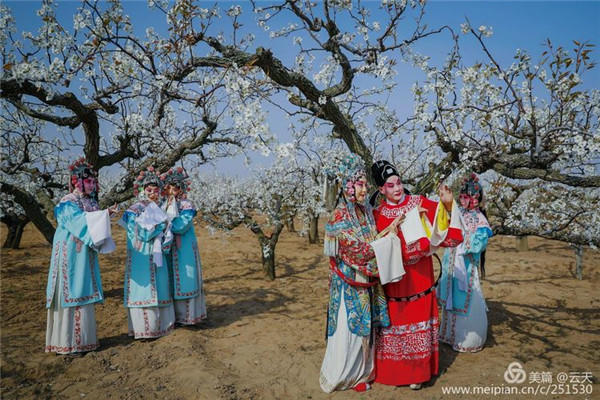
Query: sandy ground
x=265, y=339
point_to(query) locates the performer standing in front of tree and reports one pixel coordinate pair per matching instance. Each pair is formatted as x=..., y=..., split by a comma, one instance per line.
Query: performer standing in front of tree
x=464, y=312
x=357, y=304
x=407, y=350
x=184, y=257
x=148, y=300
x=74, y=283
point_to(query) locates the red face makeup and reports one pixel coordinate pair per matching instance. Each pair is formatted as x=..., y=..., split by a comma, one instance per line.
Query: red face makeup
x=90, y=185
x=360, y=189
x=392, y=189
x=468, y=202
x=173, y=190
x=152, y=192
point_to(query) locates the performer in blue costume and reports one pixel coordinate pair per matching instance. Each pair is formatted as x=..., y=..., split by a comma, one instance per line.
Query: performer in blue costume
x=148, y=298
x=184, y=257
x=74, y=283
x=464, y=312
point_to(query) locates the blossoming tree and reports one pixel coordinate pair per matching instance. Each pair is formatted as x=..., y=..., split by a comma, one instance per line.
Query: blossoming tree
x=531, y=125
x=125, y=101
x=200, y=87
x=262, y=203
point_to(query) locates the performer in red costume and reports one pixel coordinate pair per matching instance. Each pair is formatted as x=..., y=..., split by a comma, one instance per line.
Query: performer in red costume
x=407, y=350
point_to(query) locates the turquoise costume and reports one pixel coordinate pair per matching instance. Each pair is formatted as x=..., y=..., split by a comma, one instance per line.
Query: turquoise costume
x=464, y=311
x=74, y=283
x=184, y=259
x=476, y=232
x=74, y=262
x=146, y=285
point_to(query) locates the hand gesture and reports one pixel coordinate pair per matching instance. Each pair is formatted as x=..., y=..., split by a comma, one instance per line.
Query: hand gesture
x=446, y=196
x=422, y=210
x=113, y=209
x=396, y=223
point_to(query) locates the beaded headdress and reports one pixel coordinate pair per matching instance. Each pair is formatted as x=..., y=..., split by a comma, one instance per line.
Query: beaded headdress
x=79, y=171
x=471, y=192
x=348, y=171
x=147, y=178
x=178, y=178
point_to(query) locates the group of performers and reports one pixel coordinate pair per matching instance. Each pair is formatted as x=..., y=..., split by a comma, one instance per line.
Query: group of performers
x=382, y=321
x=163, y=274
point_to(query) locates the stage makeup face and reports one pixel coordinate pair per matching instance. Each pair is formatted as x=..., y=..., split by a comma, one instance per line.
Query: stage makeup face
x=90, y=185
x=152, y=192
x=173, y=191
x=360, y=189
x=468, y=202
x=392, y=189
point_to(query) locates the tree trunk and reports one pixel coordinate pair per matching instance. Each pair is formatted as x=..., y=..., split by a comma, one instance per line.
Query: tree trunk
x=268, y=258
x=15, y=231
x=313, y=230
x=32, y=209
x=267, y=244
x=522, y=243
x=18, y=234
x=289, y=225
x=579, y=261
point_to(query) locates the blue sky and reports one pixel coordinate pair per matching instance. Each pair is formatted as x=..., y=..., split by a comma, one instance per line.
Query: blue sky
x=516, y=25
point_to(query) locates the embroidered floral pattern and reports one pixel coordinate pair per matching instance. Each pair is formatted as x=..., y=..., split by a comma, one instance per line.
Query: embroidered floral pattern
x=57, y=246
x=77, y=330
x=72, y=349
x=415, y=251
x=146, y=321
x=153, y=300
x=188, y=320
x=451, y=339
x=393, y=213
x=176, y=272
x=65, y=274
x=151, y=335
x=61, y=259
x=185, y=205
x=84, y=203
x=408, y=342
x=464, y=310
x=472, y=220
x=366, y=307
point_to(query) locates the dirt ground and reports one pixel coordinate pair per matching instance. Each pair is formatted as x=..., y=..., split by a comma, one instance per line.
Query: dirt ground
x=265, y=339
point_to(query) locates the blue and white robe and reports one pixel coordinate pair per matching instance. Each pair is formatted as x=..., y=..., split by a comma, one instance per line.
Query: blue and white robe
x=74, y=283
x=185, y=266
x=147, y=293
x=464, y=312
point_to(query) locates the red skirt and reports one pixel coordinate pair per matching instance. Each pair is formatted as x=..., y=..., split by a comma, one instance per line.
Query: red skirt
x=407, y=350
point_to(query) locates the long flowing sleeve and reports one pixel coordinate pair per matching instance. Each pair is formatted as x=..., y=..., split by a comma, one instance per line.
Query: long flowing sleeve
x=352, y=251
x=73, y=219
x=137, y=233
x=145, y=235
x=183, y=222
x=447, y=231
x=359, y=255
x=478, y=241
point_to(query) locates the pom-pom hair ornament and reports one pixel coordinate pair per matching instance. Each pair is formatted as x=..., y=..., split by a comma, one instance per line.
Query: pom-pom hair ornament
x=79, y=171
x=146, y=178
x=471, y=192
x=178, y=178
